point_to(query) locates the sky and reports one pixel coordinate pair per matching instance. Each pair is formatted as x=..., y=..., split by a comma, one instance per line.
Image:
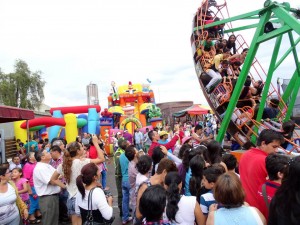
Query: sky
x=75, y=43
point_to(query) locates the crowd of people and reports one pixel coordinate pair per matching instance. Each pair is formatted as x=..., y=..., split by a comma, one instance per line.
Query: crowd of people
x=200, y=183
x=182, y=176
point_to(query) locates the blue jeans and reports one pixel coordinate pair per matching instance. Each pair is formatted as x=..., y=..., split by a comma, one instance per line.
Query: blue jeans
x=34, y=203
x=103, y=178
x=139, y=146
x=125, y=200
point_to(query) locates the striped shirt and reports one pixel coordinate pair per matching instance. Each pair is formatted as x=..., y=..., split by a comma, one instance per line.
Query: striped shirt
x=206, y=200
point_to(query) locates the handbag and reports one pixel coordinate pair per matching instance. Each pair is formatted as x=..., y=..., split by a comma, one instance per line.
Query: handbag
x=89, y=217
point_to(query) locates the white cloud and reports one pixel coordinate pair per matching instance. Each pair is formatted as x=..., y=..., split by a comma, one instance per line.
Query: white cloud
x=77, y=42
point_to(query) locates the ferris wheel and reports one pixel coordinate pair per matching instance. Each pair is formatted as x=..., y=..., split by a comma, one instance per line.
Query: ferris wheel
x=236, y=85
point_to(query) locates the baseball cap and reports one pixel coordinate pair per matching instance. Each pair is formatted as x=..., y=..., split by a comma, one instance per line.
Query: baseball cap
x=162, y=133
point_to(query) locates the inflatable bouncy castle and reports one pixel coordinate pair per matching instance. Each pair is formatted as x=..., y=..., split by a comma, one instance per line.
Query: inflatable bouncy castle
x=64, y=123
x=130, y=106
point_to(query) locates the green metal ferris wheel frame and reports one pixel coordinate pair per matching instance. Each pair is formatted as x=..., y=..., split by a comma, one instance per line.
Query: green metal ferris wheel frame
x=276, y=13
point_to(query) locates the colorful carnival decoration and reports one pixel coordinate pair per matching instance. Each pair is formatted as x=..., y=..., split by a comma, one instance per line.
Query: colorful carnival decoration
x=63, y=123
x=154, y=111
x=155, y=116
x=129, y=111
x=114, y=91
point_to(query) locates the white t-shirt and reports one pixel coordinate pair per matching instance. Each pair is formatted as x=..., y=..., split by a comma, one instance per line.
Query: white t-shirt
x=186, y=213
x=42, y=174
x=8, y=208
x=99, y=202
x=140, y=178
x=13, y=166
x=77, y=165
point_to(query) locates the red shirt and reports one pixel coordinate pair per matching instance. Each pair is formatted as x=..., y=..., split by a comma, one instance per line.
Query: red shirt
x=169, y=145
x=253, y=173
x=181, y=136
x=271, y=188
x=93, y=154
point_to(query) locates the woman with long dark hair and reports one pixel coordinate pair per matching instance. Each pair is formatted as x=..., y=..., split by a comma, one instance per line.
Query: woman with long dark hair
x=73, y=161
x=197, y=165
x=185, y=172
x=214, y=152
x=285, y=205
x=86, y=182
x=231, y=43
x=181, y=209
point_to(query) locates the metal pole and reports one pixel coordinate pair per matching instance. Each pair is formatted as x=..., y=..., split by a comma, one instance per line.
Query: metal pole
x=2, y=145
x=267, y=85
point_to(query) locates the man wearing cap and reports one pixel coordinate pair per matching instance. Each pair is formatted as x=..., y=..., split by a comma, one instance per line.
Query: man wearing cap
x=122, y=143
x=154, y=137
x=163, y=135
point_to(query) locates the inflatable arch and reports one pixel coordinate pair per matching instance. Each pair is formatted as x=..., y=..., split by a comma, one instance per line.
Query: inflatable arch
x=128, y=120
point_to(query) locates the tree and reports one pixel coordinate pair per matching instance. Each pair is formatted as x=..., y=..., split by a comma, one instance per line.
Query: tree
x=23, y=88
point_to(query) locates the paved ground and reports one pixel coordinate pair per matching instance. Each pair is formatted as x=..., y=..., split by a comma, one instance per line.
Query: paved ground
x=112, y=184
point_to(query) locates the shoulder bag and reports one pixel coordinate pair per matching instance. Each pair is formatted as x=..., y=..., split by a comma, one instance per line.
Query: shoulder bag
x=89, y=217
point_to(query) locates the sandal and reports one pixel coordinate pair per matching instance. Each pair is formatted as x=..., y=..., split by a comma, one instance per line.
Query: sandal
x=39, y=217
x=35, y=221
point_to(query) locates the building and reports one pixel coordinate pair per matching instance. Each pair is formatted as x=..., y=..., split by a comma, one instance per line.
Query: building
x=168, y=108
x=92, y=94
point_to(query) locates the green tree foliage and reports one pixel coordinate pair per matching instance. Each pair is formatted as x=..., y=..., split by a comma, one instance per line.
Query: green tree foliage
x=22, y=88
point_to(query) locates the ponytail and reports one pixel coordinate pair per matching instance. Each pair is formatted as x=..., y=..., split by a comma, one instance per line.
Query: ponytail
x=80, y=186
x=196, y=166
x=172, y=180
x=87, y=177
x=67, y=166
x=173, y=198
x=70, y=153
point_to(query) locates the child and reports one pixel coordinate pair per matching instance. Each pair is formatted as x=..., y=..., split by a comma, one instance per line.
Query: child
x=276, y=165
x=22, y=185
x=143, y=166
x=230, y=162
x=15, y=163
x=210, y=176
x=34, y=210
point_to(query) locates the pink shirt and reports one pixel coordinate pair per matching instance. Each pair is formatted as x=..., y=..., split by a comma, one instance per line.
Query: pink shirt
x=19, y=185
x=28, y=172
